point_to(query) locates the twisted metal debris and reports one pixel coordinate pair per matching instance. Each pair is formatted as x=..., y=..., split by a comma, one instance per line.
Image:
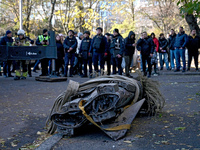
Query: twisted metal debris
x=109, y=102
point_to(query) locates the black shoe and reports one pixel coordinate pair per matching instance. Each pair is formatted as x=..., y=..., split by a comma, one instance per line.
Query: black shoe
x=5, y=76
x=16, y=78
x=161, y=68
x=35, y=71
x=70, y=75
x=183, y=70
x=42, y=75
x=149, y=76
x=197, y=70
x=0, y=74
x=30, y=75
x=177, y=70
x=23, y=78
x=168, y=69
x=84, y=76
x=145, y=73
x=188, y=69
x=10, y=75
x=90, y=76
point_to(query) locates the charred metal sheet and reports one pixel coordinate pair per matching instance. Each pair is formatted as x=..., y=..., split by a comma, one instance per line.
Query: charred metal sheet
x=126, y=117
x=110, y=103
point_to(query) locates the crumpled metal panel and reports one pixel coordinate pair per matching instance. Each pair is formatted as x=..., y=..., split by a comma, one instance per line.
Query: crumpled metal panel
x=126, y=117
x=104, y=104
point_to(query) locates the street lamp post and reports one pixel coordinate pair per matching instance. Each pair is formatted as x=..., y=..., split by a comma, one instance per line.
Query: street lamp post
x=20, y=14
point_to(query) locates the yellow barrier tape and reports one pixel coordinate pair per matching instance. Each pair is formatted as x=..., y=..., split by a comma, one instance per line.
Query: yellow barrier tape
x=121, y=127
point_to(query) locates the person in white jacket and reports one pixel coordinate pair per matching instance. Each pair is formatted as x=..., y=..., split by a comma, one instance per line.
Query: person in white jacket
x=78, y=60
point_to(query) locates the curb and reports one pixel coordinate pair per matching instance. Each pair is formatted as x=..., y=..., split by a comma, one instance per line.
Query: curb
x=50, y=142
x=179, y=73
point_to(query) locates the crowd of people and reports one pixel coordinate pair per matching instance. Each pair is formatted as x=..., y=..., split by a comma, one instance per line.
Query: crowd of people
x=80, y=52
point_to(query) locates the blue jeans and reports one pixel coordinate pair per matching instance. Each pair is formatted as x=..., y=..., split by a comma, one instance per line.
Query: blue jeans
x=172, y=58
x=50, y=66
x=67, y=59
x=36, y=65
x=180, y=53
x=164, y=56
x=98, y=57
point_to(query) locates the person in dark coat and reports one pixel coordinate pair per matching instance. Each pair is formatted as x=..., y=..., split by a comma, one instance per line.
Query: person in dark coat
x=43, y=40
x=171, y=41
x=117, y=49
x=193, y=46
x=84, y=51
x=163, y=56
x=70, y=45
x=60, y=54
x=108, y=57
x=129, y=51
x=7, y=64
x=179, y=45
x=146, y=46
x=98, y=49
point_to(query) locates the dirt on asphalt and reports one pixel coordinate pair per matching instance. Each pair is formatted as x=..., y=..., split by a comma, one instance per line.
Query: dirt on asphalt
x=25, y=104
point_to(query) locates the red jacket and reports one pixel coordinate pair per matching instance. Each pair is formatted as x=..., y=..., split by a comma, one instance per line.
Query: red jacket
x=156, y=42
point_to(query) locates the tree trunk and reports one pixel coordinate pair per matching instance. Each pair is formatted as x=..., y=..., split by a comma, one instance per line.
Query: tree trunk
x=53, y=3
x=192, y=22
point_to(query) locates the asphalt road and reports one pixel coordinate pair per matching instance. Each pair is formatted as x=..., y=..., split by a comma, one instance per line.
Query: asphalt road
x=25, y=104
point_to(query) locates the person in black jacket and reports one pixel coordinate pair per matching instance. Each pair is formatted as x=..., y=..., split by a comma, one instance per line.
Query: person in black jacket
x=7, y=64
x=84, y=51
x=193, y=46
x=70, y=45
x=108, y=56
x=146, y=46
x=129, y=51
x=43, y=40
x=98, y=49
x=163, y=56
x=117, y=49
x=60, y=54
x=171, y=42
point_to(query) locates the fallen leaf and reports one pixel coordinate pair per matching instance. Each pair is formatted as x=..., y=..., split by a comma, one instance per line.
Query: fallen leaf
x=139, y=136
x=180, y=128
x=129, y=142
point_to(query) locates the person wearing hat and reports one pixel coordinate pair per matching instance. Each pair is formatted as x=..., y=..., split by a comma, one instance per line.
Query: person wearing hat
x=22, y=40
x=84, y=51
x=109, y=56
x=70, y=45
x=43, y=40
x=117, y=49
x=98, y=49
x=7, y=64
